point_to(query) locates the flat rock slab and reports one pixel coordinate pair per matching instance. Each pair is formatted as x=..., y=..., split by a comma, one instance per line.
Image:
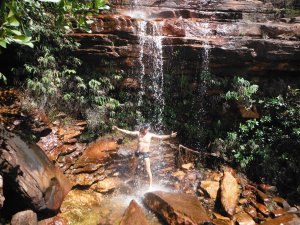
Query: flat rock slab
x=177, y=208
x=134, y=215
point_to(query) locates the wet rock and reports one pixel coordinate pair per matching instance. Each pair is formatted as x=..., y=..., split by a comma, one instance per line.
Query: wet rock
x=243, y=218
x=229, y=193
x=220, y=217
x=281, y=202
x=57, y=220
x=27, y=217
x=211, y=188
x=262, y=208
x=28, y=172
x=134, y=215
x=177, y=208
x=99, y=151
x=279, y=212
x=267, y=188
x=264, y=198
x=107, y=185
x=179, y=175
x=288, y=219
x=187, y=166
x=221, y=222
x=81, y=207
x=251, y=211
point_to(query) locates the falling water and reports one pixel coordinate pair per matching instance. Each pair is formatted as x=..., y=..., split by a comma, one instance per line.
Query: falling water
x=151, y=70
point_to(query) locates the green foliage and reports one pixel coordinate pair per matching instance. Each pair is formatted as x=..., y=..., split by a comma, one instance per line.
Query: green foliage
x=16, y=17
x=243, y=92
x=268, y=147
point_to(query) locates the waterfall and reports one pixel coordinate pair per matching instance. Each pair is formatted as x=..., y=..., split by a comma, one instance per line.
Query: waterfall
x=151, y=75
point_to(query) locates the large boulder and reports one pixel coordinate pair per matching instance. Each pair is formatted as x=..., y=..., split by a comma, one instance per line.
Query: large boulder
x=177, y=208
x=134, y=215
x=29, y=175
x=229, y=193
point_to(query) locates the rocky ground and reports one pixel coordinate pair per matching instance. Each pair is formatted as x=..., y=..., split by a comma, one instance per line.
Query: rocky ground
x=97, y=171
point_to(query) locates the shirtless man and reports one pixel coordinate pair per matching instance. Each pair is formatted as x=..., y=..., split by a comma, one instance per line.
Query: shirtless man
x=143, y=148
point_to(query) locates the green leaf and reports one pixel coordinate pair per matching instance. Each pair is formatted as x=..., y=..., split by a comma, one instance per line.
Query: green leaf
x=10, y=14
x=12, y=21
x=3, y=43
x=22, y=39
x=2, y=77
x=16, y=32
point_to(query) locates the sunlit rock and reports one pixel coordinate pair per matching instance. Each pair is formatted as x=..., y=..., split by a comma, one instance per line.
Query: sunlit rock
x=85, y=179
x=27, y=217
x=243, y=218
x=177, y=208
x=179, y=175
x=210, y=187
x=187, y=166
x=134, y=215
x=229, y=193
x=99, y=150
x=107, y=185
x=81, y=208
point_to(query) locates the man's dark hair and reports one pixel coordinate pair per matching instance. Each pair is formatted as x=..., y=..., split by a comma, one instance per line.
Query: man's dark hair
x=145, y=126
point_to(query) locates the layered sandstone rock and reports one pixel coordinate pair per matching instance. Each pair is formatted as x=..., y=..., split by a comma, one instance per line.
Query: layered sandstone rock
x=242, y=37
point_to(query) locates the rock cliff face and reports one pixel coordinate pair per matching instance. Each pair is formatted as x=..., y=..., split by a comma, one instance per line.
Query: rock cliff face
x=230, y=37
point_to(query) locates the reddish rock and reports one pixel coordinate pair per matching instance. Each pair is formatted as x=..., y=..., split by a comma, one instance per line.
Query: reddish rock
x=243, y=218
x=100, y=149
x=279, y=212
x=187, y=166
x=264, y=198
x=179, y=175
x=251, y=211
x=221, y=222
x=107, y=185
x=134, y=215
x=288, y=219
x=177, y=208
x=262, y=208
x=229, y=193
x=210, y=187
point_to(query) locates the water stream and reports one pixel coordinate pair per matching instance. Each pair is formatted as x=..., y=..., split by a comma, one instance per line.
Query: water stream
x=151, y=77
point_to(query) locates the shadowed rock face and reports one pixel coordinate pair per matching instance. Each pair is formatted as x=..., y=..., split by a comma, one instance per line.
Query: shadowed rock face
x=177, y=208
x=28, y=172
x=242, y=36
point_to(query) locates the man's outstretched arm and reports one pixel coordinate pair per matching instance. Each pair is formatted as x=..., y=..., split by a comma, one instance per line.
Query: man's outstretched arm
x=164, y=137
x=128, y=132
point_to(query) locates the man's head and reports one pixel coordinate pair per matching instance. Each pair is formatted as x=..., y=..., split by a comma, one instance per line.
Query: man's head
x=145, y=128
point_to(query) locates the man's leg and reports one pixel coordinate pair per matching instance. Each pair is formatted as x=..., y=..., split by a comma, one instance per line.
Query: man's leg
x=133, y=165
x=148, y=169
